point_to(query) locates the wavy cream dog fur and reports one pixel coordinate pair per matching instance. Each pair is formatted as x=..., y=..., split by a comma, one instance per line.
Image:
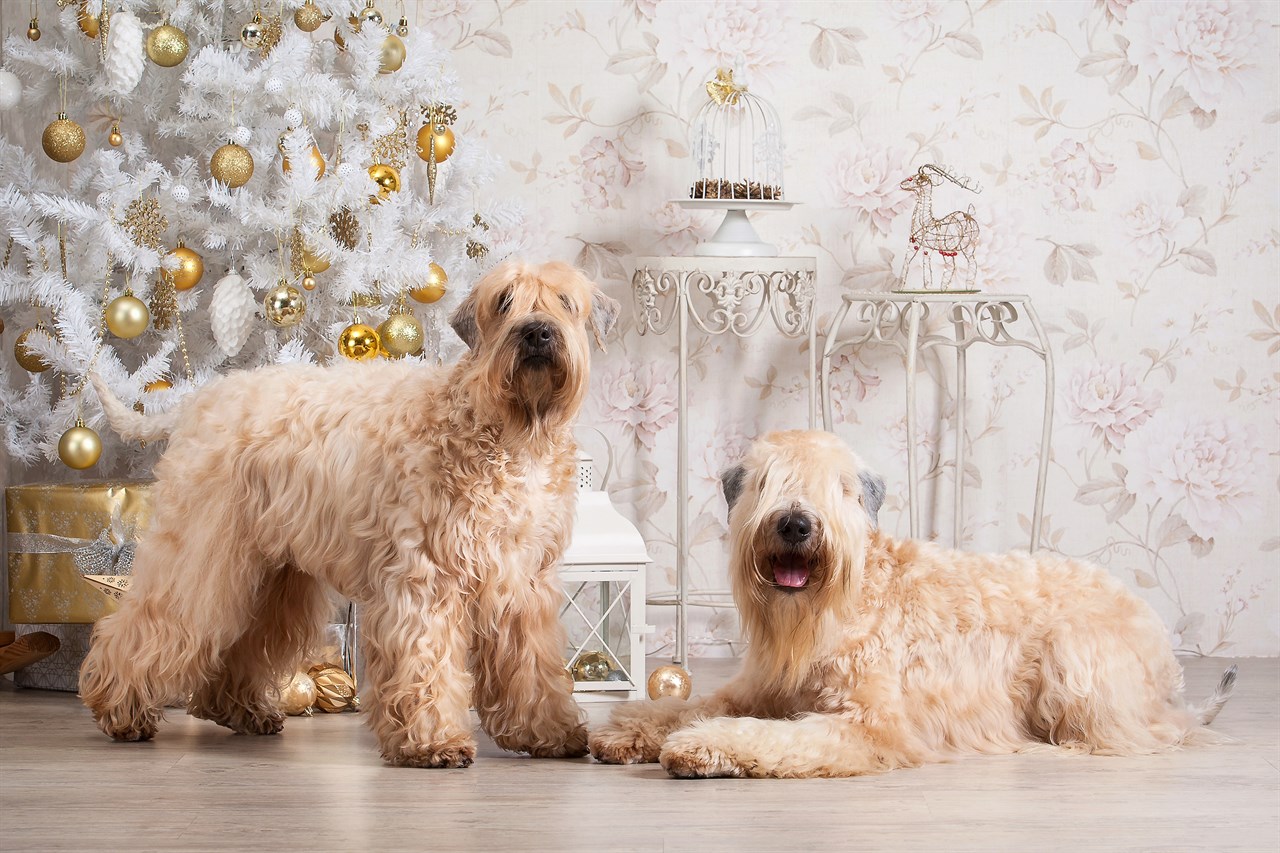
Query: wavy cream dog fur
x=868, y=653
x=439, y=499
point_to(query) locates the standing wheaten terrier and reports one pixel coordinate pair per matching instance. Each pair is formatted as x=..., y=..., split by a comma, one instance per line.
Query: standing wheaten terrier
x=869, y=653
x=440, y=500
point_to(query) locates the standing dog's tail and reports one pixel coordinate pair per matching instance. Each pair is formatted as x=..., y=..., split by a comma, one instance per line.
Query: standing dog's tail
x=1212, y=705
x=131, y=425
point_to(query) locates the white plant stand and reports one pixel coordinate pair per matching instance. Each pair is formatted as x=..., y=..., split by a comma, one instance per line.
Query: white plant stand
x=736, y=237
x=718, y=295
x=972, y=318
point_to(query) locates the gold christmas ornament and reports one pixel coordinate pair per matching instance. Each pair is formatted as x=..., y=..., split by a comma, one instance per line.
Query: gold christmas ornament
x=345, y=228
x=145, y=223
x=157, y=385
x=434, y=289
x=402, y=28
x=79, y=447
x=401, y=335
x=313, y=262
x=670, y=680
x=358, y=342
x=308, y=17
x=316, y=157
x=284, y=305
x=167, y=46
x=298, y=695
x=435, y=140
x=115, y=137
x=387, y=179
x=63, y=139
x=232, y=165
x=592, y=666
x=127, y=316
x=252, y=32
x=33, y=29
x=308, y=282
x=393, y=54
x=335, y=690
x=369, y=15
x=89, y=23
x=190, y=268
x=28, y=359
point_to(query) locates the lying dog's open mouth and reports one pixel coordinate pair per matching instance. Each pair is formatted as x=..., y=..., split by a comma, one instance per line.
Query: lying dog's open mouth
x=791, y=571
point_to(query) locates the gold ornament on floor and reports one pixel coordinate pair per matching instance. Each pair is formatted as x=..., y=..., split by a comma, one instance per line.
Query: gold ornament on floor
x=33, y=29
x=79, y=447
x=401, y=334
x=145, y=223
x=392, y=56
x=592, y=666
x=127, y=316
x=28, y=359
x=89, y=23
x=308, y=17
x=358, y=342
x=232, y=165
x=335, y=689
x=315, y=156
x=344, y=227
x=167, y=46
x=284, y=305
x=190, y=268
x=298, y=695
x=387, y=179
x=115, y=137
x=670, y=680
x=63, y=139
x=157, y=385
x=435, y=287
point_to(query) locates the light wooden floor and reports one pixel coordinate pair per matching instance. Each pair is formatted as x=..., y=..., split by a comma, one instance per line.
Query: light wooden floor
x=321, y=787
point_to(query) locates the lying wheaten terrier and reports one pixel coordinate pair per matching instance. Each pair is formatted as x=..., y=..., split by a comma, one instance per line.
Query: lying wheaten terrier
x=868, y=653
x=440, y=500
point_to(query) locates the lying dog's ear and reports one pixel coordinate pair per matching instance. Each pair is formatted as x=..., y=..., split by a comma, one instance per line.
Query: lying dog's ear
x=604, y=315
x=872, y=495
x=731, y=481
x=463, y=320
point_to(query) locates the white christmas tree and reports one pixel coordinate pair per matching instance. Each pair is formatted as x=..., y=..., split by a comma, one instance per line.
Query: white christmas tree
x=310, y=168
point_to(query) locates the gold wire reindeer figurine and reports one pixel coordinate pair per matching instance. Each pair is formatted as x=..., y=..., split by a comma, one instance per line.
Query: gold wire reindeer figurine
x=954, y=234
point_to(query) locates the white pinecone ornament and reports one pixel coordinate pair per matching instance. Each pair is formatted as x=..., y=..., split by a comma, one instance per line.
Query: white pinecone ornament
x=231, y=311
x=125, y=58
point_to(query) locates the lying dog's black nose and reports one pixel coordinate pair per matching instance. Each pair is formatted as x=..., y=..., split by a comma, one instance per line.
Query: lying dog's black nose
x=794, y=528
x=537, y=338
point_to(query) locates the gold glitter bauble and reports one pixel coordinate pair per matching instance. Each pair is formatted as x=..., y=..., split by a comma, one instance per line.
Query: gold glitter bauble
x=79, y=447
x=670, y=680
x=298, y=695
x=157, y=385
x=592, y=666
x=434, y=289
x=232, y=165
x=443, y=138
x=89, y=23
x=401, y=335
x=313, y=262
x=358, y=342
x=28, y=359
x=316, y=157
x=387, y=179
x=392, y=56
x=284, y=305
x=335, y=690
x=63, y=139
x=127, y=316
x=308, y=18
x=167, y=46
x=33, y=30
x=190, y=268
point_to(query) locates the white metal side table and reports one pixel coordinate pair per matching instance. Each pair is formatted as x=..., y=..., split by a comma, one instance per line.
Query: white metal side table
x=901, y=320
x=719, y=296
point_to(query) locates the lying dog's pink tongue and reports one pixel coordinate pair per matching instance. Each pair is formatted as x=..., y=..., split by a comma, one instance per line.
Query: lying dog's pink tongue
x=793, y=573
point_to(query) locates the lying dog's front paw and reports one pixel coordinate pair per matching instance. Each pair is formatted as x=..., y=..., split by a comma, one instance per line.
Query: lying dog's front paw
x=614, y=744
x=686, y=756
x=449, y=756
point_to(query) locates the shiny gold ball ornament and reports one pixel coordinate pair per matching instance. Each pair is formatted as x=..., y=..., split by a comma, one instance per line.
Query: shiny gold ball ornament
x=402, y=28
x=592, y=666
x=127, y=316
x=232, y=165
x=63, y=139
x=251, y=33
x=190, y=268
x=435, y=287
x=308, y=17
x=313, y=262
x=89, y=23
x=33, y=29
x=315, y=156
x=670, y=680
x=392, y=56
x=167, y=46
x=358, y=342
x=388, y=180
x=443, y=138
x=27, y=358
x=297, y=695
x=284, y=305
x=335, y=690
x=308, y=282
x=115, y=137
x=79, y=447
x=401, y=335
x=369, y=15
x=157, y=385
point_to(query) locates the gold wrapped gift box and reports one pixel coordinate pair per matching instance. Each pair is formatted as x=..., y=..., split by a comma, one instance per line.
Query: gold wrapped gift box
x=71, y=547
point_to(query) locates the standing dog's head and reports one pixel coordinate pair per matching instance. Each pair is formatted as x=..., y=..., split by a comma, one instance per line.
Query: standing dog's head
x=800, y=509
x=530, y=330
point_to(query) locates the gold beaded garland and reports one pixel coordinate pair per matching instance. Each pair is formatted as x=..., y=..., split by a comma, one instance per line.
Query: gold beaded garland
x=63, y=139
x=435, y=287
x=232, y=165
x=127, y=316
x=167, y=46
x=79, y=447
x=358, y=342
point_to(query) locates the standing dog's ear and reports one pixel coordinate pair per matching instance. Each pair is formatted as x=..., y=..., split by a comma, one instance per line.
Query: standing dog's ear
x=731, y=482
x=604, y=315
x=872, y=495
x=463, y=320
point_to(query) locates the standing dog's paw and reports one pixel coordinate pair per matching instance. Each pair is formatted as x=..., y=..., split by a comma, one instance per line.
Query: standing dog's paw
x=685, y=755
x=571, y=745
x=448, y=756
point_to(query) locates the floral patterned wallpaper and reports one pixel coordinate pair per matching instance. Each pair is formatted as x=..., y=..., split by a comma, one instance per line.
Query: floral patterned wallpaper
x=1127, y=155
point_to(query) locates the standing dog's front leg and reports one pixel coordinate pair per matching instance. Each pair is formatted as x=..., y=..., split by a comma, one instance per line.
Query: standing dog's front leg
x=419, y=690
x=523, y=695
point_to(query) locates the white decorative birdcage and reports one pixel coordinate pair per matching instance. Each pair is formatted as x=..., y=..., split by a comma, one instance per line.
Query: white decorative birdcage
x=737, y=157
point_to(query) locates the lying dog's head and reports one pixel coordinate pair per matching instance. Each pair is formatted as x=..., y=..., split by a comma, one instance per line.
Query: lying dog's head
x=530, y=329
x=800, y=508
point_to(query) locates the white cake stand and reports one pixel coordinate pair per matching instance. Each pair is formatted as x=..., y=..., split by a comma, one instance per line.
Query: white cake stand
x=735, y=238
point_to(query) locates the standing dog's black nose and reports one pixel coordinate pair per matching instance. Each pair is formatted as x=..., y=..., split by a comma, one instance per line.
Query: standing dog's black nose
x=794, y=528
x=537, y=338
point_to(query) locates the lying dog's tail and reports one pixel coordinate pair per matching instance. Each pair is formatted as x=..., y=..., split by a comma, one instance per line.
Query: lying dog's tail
x=1206, y=712
x=131, y=425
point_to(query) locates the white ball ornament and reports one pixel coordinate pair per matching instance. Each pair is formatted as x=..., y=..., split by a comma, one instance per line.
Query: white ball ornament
x=10, y=90
x=180, y=193
x=125, y=58
x=293, y=117
x=273, y=86
x=345, y=170
x=241, y=135
x=104, y=201
x=231, y=313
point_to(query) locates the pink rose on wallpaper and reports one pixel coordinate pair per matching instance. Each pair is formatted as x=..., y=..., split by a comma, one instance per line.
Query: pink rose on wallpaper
x=1109, y=399
x=1156, y=223
x=1207, y=46
x=866, y=181
x=604, y=171
x=1203, y=468
x=639, y=396
x=678, y=229
x=915, y=19
x=1001, y=246
x=1077, y=169
x=444, y=18
x=701, y=35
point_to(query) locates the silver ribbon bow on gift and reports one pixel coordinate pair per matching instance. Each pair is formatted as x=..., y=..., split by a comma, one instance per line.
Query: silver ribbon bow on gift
x=110, y=554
